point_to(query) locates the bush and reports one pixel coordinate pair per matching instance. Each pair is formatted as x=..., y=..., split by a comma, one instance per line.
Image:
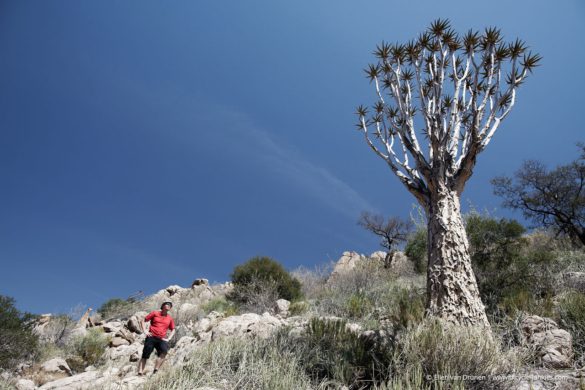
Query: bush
x=407, y=307
x=87, y=350
x=416, y=249
x=263, y=279
x=333, y=351
x=116, y=307
x=17, y=342
x=298, y=308
x=220, y=305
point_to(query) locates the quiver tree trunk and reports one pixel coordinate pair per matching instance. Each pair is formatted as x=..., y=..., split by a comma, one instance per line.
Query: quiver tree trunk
x=452, y=292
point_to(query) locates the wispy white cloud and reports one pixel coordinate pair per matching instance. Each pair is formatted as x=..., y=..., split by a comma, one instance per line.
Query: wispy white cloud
x=302, y=173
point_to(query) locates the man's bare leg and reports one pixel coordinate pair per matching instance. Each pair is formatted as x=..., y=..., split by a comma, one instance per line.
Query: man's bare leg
x=159, y=361
x=141, y=366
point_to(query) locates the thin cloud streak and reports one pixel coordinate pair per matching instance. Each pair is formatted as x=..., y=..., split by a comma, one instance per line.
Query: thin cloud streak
x=314, y=180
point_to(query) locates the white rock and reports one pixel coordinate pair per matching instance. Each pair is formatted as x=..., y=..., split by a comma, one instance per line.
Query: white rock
x=281, y=307
x=172, y=290
x=56, y=365
x=200, y=282
x=25, y=384
x=347, y=262
x=85, y=380
x=112, y=327
x=553, y=346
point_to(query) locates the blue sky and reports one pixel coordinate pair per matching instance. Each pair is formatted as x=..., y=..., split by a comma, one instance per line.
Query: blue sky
x=149, y=143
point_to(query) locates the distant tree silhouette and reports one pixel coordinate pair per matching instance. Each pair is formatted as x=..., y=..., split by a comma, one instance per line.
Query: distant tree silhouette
x=554, y=198
x=392, y=231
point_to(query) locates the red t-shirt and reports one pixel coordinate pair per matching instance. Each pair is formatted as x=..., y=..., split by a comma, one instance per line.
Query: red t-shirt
x=159, y=324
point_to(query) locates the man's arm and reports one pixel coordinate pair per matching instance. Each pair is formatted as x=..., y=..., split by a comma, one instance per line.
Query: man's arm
x=143, y=324
x=170, y=335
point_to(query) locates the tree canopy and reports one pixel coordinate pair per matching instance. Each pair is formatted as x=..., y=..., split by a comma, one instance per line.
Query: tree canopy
x=550, y=198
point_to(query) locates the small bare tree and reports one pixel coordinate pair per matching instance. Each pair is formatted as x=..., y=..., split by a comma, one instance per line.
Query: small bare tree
x=392, y=232
x=461, y=88
x=550, y=198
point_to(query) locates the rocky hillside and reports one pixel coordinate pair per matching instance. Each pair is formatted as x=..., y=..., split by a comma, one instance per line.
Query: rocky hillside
x=204, y=319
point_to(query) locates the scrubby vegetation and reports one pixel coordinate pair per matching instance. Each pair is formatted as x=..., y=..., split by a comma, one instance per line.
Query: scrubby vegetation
x=116, y=308
x=86, y=350
x=260, y=281
x=17, y=342
x=365, y=328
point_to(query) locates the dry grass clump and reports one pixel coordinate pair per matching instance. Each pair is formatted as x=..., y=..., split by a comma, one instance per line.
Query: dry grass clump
x=444, y=352
x=238, y=364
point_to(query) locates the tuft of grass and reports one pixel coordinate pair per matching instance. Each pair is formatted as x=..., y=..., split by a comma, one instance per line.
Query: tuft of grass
x=572, y=318
x=238, y=364
x=441, y=349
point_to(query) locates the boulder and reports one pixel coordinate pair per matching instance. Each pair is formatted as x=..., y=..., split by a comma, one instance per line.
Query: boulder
x=347, y=262
x=112, y=327
x=172, y=290
x=85, y=380
x=200, y=282
x=281, y=307
x=25, y=384
x=247, y=325
x=135, y=357
x=133, y=324
x=125, y=334
x=80, y=331
x=123, y=353
x=553, y=346
x=379, y=256
x=116, y=342
x=55, y=366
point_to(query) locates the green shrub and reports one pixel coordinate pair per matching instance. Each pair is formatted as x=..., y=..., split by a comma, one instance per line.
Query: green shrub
x=359, y=305
x=116, y=307
x=221, y=305
x=298, y=308
x=416, y=249
x=87, y=350
x=407, y=308
x=17, y=342
x=332, y=351
x=261, y=275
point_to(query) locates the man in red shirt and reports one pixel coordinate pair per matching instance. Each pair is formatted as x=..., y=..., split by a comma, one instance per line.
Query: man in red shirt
x=156, y=337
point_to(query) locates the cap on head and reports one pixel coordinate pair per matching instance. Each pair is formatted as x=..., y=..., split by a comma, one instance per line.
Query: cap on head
x=166, y=303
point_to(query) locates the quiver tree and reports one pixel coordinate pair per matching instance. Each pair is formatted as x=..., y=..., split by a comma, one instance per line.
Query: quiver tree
x=392, y=232
x=460, y=88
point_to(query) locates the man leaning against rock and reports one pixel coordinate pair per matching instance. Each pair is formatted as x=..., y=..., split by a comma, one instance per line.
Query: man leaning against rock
x=156, y=338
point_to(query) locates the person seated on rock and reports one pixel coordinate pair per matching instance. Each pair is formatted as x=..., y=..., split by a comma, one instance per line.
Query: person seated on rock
x=156, y=337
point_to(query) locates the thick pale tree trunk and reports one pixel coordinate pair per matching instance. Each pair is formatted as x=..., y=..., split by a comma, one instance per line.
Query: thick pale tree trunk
x=452, y=292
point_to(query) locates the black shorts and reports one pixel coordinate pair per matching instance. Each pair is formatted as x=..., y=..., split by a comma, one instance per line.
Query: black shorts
x=152, y=343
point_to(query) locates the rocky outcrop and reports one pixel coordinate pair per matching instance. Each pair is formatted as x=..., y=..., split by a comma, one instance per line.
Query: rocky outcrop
x=553, y=346
x=347, y=262
x=200, y=282
x=399, y=264
x=56, y=366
